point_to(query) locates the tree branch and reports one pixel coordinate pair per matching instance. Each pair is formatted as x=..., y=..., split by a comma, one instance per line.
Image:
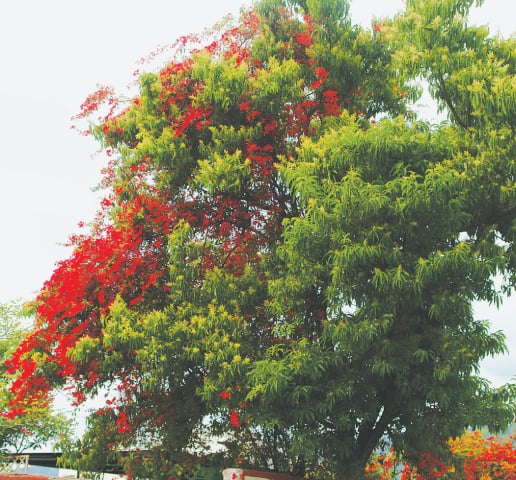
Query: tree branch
x=369, y=437
x=447, y=99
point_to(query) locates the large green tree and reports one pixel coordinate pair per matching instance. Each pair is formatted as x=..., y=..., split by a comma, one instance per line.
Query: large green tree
x=287, y=256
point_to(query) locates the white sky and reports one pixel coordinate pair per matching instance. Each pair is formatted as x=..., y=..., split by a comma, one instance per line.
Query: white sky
x=53, y=53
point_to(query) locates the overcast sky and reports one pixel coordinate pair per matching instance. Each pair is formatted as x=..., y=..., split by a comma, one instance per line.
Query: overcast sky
x=53, y=54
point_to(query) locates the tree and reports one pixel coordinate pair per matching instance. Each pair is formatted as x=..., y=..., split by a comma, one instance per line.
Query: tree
x=39, y=425
x=287, y=256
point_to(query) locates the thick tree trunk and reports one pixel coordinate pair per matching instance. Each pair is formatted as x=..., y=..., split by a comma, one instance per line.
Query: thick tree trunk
x=352, y=468
x=351, y=471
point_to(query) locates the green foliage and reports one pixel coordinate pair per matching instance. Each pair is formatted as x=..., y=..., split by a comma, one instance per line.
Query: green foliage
x=40, y=425
x=404, y=225
x=288, y=256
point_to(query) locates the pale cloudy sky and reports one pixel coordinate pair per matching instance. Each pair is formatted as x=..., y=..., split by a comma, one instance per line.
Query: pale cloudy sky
x=53, y=53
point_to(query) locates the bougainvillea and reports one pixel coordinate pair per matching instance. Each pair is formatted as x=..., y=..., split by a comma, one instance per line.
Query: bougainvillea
x=266, y=267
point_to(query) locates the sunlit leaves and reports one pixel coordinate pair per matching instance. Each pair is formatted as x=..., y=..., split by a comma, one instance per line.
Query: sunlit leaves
x=286, y=257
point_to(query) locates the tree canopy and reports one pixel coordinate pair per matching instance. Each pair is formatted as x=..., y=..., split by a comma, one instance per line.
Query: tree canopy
x=287, y=256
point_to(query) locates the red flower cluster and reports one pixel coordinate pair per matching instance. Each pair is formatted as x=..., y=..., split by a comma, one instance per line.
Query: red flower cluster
x=225, y=395
x=322, y=75
x=474, y=456
x=234, y=419
x=122, y=423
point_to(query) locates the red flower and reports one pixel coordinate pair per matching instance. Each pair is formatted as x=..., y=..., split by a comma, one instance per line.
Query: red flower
x=225, y=395
x=234, y=420
x=322, y=75
x=304, y=39
x=331, y=102
x=245, y=106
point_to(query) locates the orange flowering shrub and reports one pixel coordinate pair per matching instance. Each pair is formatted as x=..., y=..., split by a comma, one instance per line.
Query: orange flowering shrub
x=485, y=457
x=473, y=456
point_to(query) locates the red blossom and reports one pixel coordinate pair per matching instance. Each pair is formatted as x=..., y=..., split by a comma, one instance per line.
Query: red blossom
x=122, y=423
x=246, y=106
x=322, y=75
x=225, y=395
x=234, y=419
x=304, y=39
x=331, y=103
